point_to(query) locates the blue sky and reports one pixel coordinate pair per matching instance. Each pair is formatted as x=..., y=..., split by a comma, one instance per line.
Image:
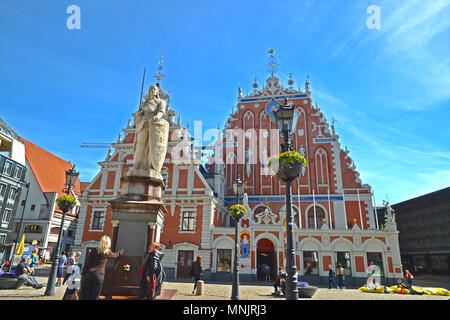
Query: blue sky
x=388, y=89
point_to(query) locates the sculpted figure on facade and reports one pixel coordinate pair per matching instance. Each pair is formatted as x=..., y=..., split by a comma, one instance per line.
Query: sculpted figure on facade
x=152, y=131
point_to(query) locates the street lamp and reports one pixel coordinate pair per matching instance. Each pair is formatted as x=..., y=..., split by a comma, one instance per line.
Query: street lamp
x=71, y=178
x=286, y=117
x=238, y=188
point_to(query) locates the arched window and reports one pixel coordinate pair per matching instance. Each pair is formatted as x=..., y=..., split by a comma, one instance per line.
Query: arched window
x=258, y=210
x=321, y=167
x=320, y=216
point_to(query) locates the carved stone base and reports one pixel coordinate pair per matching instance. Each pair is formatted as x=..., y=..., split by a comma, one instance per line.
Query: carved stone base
x=137, y=216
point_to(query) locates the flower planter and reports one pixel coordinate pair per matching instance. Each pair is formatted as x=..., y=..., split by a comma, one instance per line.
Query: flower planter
x=66, y=206
x=9, y=281
x=237, y=212
x=290, y=173
x=306, y=292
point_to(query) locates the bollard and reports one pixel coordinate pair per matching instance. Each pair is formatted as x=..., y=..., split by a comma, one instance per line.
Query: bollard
x=200, y=287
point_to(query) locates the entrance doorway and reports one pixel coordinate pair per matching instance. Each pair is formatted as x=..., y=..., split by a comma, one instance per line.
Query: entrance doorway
x=185, y=258
x=265, y=255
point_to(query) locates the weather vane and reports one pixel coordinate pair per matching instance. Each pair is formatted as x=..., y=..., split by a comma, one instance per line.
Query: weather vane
x=272, y=65
x=159, y=75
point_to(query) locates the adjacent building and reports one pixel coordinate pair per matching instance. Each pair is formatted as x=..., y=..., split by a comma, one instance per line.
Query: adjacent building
x=12, y=174
x=40, y=218
x=424, y=225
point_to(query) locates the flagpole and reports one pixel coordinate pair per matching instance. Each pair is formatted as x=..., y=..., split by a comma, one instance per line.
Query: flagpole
x=375, y=210
x=329, y=207
x=345, y=211
x=360, y=213
x=314, y=206
x=299, y=207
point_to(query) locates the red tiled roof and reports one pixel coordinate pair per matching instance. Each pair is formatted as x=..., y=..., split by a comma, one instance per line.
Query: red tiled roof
x=49, y=170
x=84, y=185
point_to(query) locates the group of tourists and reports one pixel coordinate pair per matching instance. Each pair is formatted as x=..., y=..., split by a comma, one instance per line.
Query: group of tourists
x=93, y=273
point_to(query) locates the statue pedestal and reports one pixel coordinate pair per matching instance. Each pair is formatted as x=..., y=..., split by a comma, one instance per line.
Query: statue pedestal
x=137, y=217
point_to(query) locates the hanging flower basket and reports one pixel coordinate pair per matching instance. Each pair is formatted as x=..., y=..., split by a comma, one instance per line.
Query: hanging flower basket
x=287, y=166
x=66, y=203
x=237, y=211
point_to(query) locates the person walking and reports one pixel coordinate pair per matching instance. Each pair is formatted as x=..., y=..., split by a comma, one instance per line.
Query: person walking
x=34, y=260
x=73, y=283
x=23, y=272
x=341, y=276
x=197, y=272
x=70, y=262
x=62, y=261
x=153, y=274
x=94, y=269
x=331, y=275
x=409, y=278
x=267, y=272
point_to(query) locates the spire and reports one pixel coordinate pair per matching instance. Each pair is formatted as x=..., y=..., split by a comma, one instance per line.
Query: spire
x=159, y=75
x=129, y=123
x=291, y=81
x=108, y=156
x=255, y=84
x=179, y=120
x=307, y=84
x=272, y=65
x=119, y=138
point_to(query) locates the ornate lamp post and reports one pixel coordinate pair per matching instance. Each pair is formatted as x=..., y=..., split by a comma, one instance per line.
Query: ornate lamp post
x=71, y=178
x=286, y=117
x=238, y=188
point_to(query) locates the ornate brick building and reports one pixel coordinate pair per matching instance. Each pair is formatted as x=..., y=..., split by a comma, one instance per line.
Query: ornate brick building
x=335, y=221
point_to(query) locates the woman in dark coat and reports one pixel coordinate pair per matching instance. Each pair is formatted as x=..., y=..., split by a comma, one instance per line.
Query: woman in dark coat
x=197, y=271
x=94, y=269
x=153, y=274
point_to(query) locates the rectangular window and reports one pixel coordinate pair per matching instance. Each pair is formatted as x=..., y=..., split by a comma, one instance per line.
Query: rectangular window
x=2, y=190
x=343, y=258
x=17, y=172
x=6, y=216
x=223, y=260
x=2, y=238
x=376, y=258
x=13, y=194
x=311, y=262
x=187, y=224
x=33, y=206
x=98, y=220
x=7, y=168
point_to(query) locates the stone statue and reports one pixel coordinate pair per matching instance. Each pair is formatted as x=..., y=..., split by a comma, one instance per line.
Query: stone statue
x=152, y=131
x=389, y=222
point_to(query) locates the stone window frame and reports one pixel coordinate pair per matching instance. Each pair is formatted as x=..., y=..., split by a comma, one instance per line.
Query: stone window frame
x=3, y=188
x=4, y=215
x=8, y=169
x=91, y=225
x=3, y=237
x=11, y=192
x=186, y=210
x=17, y=172
x=218, y=257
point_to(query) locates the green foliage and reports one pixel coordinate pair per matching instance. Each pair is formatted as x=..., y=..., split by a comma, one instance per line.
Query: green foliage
x=66, y=200
x=237, y=211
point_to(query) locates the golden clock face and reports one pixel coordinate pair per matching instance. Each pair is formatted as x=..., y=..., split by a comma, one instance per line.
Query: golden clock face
x=271, y=107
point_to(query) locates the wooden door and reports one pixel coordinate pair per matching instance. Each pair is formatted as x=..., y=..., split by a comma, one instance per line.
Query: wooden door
x=185, y=258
